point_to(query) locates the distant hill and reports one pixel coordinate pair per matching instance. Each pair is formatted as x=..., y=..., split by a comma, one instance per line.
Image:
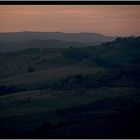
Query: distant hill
x=37, y=43
x=93, y=38
x=23, y=40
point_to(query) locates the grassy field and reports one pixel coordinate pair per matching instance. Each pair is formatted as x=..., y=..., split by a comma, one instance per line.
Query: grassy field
x=48, y=75
x=26, y=111
x=38, y=101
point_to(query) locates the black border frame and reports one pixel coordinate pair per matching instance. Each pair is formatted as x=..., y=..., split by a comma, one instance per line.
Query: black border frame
x=69, y=2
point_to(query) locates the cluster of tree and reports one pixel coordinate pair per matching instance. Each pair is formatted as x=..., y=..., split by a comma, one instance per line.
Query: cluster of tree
x=128, y=41
x=118, y=78
x=122, y=78
x=10, y=89
x=119, y=52
x=31, y=69
x=116, y=53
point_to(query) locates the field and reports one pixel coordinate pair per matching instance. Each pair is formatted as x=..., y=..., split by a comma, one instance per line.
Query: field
x=25, y=112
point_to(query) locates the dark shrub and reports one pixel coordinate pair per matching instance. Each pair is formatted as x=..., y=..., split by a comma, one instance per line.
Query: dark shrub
x=31, y=69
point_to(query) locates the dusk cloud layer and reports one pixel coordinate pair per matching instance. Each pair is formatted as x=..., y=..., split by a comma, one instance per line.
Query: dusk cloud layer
x=109, y=20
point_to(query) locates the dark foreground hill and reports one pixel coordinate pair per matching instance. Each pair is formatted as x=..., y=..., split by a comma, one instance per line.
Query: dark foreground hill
x=90, y=92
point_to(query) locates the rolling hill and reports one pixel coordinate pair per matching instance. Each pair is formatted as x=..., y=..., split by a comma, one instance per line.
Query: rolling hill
x=93, y=38
x=22, y=40
x=74, y=92
x=38, y=43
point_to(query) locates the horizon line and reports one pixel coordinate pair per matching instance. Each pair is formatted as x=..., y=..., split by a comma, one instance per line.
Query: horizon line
x=82, y=32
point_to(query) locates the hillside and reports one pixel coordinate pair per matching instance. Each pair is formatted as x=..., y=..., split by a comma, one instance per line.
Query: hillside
x=74, y=92
x=51, y=43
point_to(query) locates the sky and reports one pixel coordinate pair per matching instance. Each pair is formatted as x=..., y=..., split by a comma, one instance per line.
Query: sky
x=111, y=20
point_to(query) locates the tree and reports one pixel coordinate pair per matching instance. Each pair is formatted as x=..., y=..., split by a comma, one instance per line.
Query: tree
x=31, y=69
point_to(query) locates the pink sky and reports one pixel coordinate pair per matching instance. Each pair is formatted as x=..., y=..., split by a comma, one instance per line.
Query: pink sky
x=108, y=20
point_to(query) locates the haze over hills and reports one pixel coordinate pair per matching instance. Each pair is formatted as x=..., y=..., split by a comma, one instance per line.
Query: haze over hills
x=76, y=37
x=38, y=43
x=23, y=40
